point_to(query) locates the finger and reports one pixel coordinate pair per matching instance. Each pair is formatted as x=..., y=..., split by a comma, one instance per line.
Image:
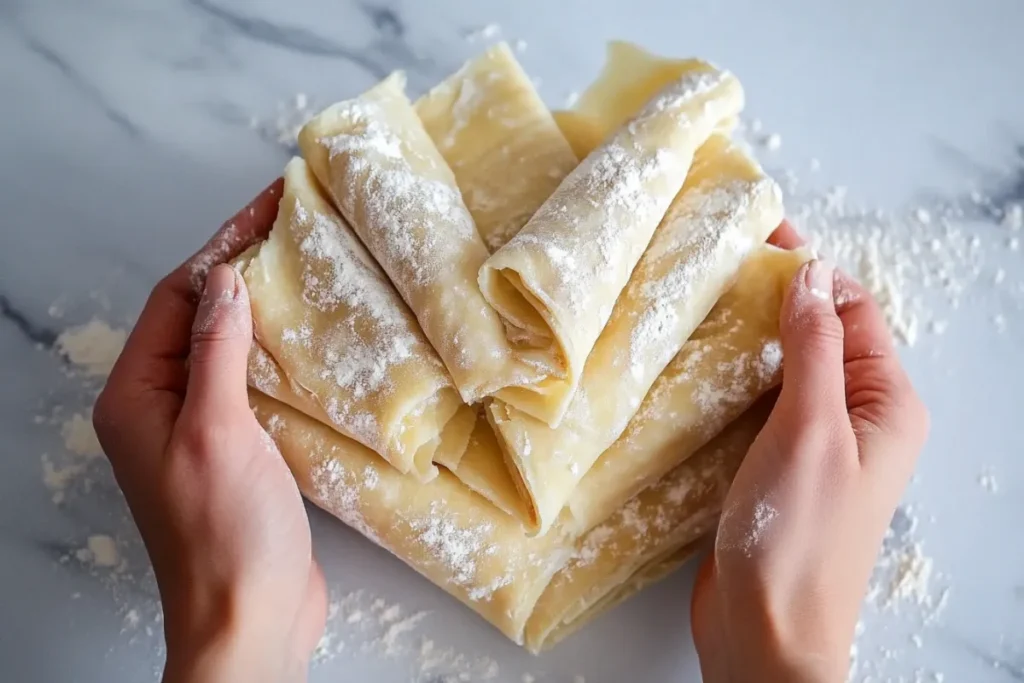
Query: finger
x=812, y=347
x=241, y=231
x=786, y=237
x=881, y=401
x=221, y=337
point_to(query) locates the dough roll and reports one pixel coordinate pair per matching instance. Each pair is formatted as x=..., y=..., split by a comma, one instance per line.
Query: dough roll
x=726, y=208
x=555, y=283
x=501, y=142
x=386, y=176
x=734, y=357
x=326, y=313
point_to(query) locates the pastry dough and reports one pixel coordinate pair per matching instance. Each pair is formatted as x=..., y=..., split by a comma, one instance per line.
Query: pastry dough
x=455, y=538
x=648, y=537
x=499, y=139
x=555, y=283
x=326, y=313
x=727, y=207
x=611, y=392
x=534, y=587
x=732, y=358
x=387, y=178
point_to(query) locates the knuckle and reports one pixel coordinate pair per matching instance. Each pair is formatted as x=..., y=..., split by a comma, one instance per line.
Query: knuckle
x=822, y=328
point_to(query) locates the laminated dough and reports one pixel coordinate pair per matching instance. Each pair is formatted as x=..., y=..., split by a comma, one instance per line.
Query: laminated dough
x=555, y=283
x=389, y=181
x=732, y=358
x=726, y=208
x=500, y=140
x=441, y=528
x=328, y=315
x=647, y=538
x=529, y=588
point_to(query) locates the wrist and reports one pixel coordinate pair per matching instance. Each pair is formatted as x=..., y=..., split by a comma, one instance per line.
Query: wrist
x=225, y=640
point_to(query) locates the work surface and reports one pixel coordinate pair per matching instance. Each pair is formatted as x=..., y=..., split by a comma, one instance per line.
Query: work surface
x=131, y=130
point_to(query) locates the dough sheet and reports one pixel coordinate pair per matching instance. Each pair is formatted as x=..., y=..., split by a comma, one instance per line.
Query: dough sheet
x=500, y=140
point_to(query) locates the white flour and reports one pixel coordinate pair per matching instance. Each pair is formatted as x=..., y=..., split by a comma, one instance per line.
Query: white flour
x=93, y=347
x=360, y=624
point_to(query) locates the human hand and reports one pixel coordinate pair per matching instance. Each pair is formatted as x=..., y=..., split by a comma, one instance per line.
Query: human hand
x=805, y=517
x=220, y=514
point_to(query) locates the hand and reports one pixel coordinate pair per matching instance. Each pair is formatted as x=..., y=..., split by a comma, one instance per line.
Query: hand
x=805, y=517
x=220, y=514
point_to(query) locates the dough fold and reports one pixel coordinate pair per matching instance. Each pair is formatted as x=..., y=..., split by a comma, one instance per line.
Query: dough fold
x=555, y=283
x=503, y=145
x=534, y=589
x=390, y=182
x=328, y=315
x=726, y=208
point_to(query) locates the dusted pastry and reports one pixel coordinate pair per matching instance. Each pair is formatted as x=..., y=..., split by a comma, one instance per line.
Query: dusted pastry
x=393, y=186
x=499, y=139
x=555, y=283
x=328, y=315
x=727, y=207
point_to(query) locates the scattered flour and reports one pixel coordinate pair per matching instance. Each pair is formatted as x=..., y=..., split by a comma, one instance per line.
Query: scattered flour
x=283, y=129
x=101, y=551
x=987, y=480
x=365, y=625
x=93, y=347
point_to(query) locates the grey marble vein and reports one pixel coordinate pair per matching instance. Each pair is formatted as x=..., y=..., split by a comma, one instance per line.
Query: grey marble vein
x=36, y=334
x=79, y=81
x=387, y=52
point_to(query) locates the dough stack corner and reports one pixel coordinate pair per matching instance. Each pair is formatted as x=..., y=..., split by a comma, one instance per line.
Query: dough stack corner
x=523, y=351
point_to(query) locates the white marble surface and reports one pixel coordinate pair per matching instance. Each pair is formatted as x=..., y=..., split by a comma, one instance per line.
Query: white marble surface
x=125, y=140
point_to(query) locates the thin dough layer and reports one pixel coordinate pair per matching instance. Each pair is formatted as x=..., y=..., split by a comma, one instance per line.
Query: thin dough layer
x=447, y=533
x=503, y=145
x=726, y=208
x=733, y=357
x=395, y=189
x=326, y=313
x=555, y=283
x=646, y=539
x=528, y=587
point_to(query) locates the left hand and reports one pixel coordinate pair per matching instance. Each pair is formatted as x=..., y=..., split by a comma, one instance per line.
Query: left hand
x=220, y=514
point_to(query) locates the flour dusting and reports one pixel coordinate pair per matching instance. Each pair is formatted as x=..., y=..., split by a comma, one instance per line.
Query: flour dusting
x=92, y=348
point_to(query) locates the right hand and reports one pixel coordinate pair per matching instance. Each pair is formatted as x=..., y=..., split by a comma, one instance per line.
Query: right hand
x=804, y=520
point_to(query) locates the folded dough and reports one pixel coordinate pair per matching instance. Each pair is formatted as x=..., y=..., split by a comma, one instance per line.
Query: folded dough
x=555, y=283
x=499, y=139
x=538, y=588
x=326, y=313
x=443, y=530
x=732, y=358
x=388, y=179
x=647, y=538
x=726, y=208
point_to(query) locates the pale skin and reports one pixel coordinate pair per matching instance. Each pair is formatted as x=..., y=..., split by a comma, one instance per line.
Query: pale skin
x=224, y=524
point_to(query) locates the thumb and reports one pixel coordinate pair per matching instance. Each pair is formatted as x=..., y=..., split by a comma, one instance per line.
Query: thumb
x=812, y=346
x=221, y=337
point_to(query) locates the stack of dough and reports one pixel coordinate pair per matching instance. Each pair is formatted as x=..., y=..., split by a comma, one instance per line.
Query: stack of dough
x=523, y=352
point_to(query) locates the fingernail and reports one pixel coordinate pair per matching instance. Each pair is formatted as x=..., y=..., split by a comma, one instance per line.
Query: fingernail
x=818, y=278
x=221, y=288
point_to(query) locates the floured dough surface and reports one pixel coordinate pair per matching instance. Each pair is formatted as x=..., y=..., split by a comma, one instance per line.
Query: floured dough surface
x=522, y=351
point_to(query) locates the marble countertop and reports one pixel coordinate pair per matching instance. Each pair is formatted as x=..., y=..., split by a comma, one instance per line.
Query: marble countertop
x=127, y=135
